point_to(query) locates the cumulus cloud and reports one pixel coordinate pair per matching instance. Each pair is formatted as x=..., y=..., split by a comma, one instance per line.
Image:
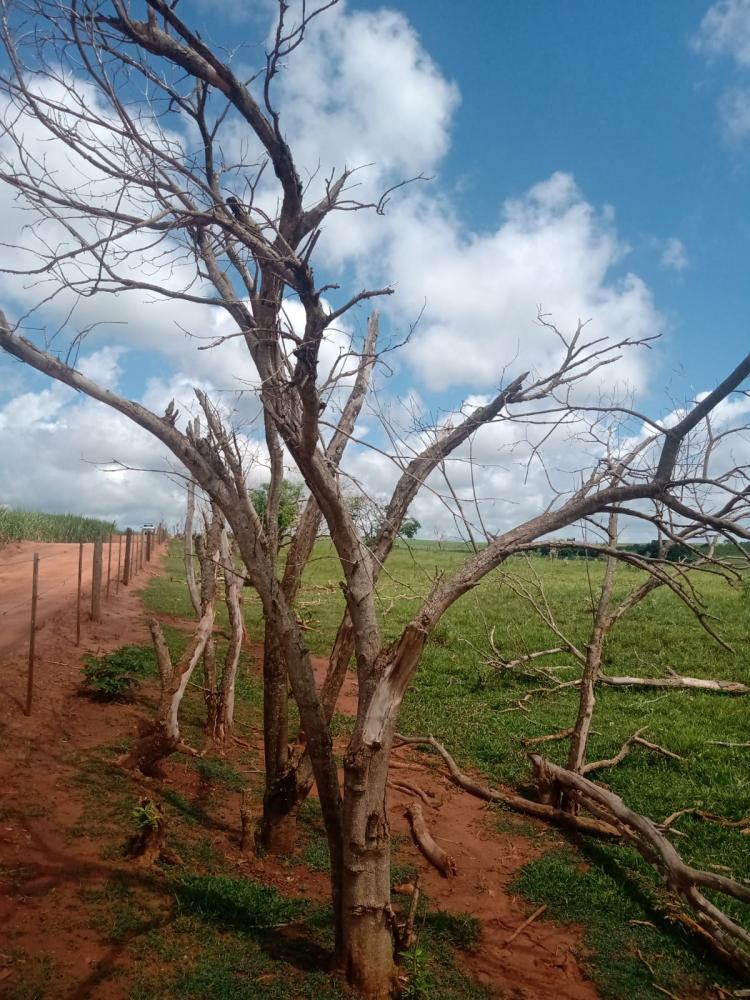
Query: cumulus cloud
x=725, y=32
x=55, y=444
x=361, y=91
x=482, y=290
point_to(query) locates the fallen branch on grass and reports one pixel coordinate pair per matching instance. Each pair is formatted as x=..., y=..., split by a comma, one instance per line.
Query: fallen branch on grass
x=531, y=741
x=541, y=810
x=736, y=824
x=727, y=938
x=434, y=853
x=677, y=681
x=673, y=682
x=635, y=740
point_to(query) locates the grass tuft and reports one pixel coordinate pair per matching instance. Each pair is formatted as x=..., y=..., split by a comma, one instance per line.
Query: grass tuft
x=237, y=903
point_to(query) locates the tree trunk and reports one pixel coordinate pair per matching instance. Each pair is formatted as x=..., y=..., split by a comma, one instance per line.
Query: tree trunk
x=277, y=836
x=188, y=551
x=233, y=598
x=592, y=668
x=162, y=738
x=367, y=922
x=297, y=780
x=210, y=692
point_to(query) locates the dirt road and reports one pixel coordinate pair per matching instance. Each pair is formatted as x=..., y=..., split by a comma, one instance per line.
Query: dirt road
x=58, y=583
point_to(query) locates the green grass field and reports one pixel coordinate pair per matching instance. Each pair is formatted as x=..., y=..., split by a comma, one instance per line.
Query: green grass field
x=468, y=705
x=19, y=525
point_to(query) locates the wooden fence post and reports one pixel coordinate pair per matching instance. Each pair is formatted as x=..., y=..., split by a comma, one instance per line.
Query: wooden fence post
x=78, y=600
x=119, y=561
x=148, y=546
x=32, y=636
x=96, y=581
x=128, y=556
x=109, y=563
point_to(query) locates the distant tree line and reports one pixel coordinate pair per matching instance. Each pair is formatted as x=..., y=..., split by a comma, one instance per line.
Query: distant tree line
x=678, y=552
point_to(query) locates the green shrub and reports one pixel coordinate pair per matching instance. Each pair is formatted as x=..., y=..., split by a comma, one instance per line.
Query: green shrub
x=417, y=986
x=117, y=674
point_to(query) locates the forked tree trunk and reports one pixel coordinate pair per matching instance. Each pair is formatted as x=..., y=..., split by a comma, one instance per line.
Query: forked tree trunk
x=161, y=738
x=294, y=781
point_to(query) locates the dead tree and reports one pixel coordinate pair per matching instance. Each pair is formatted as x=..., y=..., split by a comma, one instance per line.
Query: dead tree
x=659, y=572
x=200, y=216
x=725, y=937
x=160, y=739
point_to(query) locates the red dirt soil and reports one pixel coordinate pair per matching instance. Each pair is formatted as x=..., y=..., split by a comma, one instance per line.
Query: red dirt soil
x=44, y=870
x=58, y=581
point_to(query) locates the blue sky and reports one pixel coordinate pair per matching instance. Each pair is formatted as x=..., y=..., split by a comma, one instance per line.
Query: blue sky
x=589, y=156
x=616, y=94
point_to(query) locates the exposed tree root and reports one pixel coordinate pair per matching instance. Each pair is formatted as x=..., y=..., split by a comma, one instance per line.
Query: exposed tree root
x=405, y=786
x=434, y=853
x=541, y=810
x=728, y=939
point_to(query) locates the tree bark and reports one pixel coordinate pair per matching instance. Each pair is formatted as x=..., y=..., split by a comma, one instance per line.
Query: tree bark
x=276, y=835
x=368, y=929
x=188, y=551
x=233, y=598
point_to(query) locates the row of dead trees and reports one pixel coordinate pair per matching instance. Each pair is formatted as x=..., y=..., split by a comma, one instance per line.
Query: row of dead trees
x=184, y=220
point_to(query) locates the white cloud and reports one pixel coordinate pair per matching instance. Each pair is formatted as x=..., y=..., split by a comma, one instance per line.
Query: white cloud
x=54, y=441
x=725, y=31
x=482, y=290
x=360, y=90
x=674, y=255
x=734, y=109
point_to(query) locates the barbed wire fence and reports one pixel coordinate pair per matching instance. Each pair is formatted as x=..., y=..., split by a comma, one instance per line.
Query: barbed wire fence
x=116, y=560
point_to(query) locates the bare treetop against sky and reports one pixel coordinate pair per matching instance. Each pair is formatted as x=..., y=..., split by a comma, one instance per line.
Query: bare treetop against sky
x=590, y=159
